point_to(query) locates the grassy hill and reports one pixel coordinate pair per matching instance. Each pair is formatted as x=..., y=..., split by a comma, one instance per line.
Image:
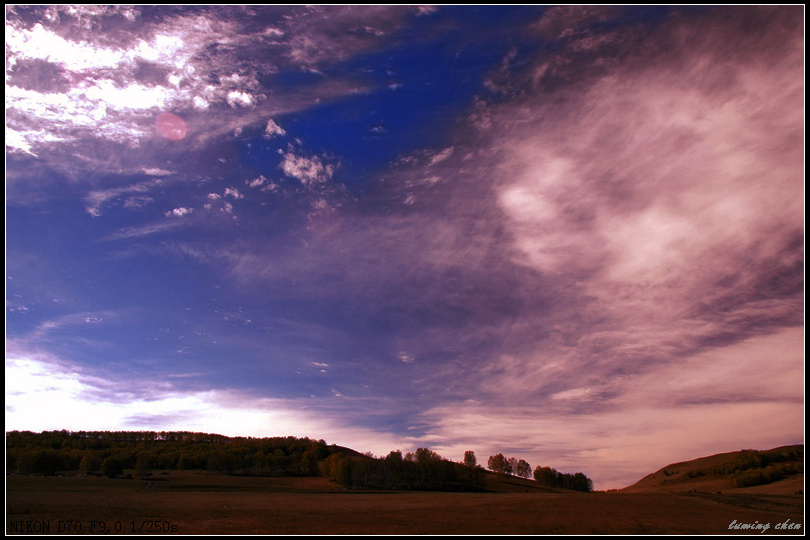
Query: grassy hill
x=776, y=471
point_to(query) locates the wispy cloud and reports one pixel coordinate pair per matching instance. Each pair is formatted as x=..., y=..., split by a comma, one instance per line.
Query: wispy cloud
x=141, y=231
x=651, y=192
x=98, y=199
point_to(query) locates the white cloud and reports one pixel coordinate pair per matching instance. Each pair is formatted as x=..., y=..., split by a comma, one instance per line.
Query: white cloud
x=132, y=96
x=263, y=183
x=233, y=193
x=18, y=141
x=156, y=171
x=200, y=103
x=308, y=170
x=257, y=182
x=42, y=44
x=272, y=129
x=179, y=212
x=240, y=98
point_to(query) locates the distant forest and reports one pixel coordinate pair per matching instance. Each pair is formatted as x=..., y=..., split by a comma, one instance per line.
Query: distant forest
x=138, y=453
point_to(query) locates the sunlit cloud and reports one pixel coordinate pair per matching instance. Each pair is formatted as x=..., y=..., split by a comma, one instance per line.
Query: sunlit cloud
x=676, y=409
x=181, y=211
x=272, y=129
x=40, y=381
x=309, y=170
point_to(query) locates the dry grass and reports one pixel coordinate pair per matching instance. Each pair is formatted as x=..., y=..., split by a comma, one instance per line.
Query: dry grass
x=192, y=503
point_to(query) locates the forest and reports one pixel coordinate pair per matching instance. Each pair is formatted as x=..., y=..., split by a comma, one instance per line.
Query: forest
x=138, y=453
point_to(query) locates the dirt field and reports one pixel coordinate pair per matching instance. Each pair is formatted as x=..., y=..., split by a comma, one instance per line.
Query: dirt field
x=191, y=503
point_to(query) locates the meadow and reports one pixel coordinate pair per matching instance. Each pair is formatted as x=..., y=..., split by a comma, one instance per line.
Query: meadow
x=196, y=502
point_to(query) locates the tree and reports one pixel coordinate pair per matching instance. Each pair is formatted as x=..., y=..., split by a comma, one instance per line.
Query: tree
x=309, y=462
x=90, y=462
x=343, y=473
x=545, y=476
x=580, y=482
x=469, y=459
x=511, y=465
x=394, y=472
x=425, y=455
x=497, y=464
x=523, y=469
x=552, y=478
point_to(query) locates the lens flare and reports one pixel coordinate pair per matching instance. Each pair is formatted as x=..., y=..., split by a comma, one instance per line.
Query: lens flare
x=171, y=126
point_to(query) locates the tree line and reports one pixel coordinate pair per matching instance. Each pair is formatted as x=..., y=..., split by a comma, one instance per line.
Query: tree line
x=111, y=453
x=420, y=470
x=545, y=476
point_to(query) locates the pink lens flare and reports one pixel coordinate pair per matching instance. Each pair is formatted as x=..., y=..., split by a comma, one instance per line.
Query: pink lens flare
x=171, y=126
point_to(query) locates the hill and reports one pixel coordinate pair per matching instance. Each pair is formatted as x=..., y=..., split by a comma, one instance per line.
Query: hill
x=776, y=471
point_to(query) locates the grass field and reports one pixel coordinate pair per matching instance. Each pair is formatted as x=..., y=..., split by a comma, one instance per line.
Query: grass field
x=192, y=503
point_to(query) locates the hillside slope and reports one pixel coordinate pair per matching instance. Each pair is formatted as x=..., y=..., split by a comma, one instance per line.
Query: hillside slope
x=776, y=471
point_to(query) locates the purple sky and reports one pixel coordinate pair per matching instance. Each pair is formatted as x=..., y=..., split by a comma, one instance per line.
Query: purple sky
x=573, y=235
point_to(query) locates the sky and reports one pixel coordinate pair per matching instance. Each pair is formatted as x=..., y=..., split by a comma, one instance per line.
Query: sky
x=573, y=235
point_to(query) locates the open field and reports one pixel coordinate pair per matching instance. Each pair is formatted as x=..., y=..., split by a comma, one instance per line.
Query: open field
x=192, y=502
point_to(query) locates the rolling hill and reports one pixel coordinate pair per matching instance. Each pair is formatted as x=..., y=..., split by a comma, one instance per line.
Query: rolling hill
x=776, y=471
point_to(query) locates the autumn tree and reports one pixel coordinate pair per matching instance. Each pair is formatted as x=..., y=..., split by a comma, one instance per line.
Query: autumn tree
x=523, y=469
x=497, y=464
x=469, y=459
x=545, y=476
x=552, y=478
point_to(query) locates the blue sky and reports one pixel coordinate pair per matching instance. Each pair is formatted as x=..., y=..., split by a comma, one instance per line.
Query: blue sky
x=570, y=234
